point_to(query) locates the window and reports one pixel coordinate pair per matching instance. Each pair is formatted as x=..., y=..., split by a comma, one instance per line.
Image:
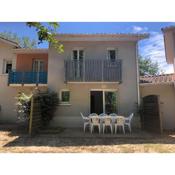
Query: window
x=65, y=96
x=7, y=66
x=112, y=54
x=78, y=57
x=38, y=65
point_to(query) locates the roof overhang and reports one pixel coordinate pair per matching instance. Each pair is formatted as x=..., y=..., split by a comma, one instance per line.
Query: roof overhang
x=102, y=37
x=30, y=51
x=169, y=41
x=9, y=42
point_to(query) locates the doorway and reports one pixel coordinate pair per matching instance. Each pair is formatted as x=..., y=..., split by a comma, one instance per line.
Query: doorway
x=151, y=119
x=103, y=101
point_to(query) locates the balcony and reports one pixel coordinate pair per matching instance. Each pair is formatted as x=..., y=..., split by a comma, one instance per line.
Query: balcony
x=27, y=78
x=95, y=70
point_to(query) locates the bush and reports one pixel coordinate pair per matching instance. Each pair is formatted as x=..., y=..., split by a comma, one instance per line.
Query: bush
x=48, y=103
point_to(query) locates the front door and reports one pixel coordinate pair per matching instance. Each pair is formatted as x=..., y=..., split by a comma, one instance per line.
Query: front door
x=103, y=102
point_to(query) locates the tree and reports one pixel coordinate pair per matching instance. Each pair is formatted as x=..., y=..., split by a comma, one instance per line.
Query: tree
x=47, y=32
x=148, y=67
x=24, y=42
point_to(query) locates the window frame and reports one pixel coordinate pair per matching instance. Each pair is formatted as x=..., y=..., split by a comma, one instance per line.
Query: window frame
x=64, y=102
x=112, y=49
x=5, y=62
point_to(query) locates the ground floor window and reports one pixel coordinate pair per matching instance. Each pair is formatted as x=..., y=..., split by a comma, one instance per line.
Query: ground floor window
x=65, y=96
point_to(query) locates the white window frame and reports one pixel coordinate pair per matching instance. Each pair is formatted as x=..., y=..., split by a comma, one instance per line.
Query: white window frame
x=77, y=49
x=60, y=96
x=5, y=61
x=39, y=60
x=116, y=52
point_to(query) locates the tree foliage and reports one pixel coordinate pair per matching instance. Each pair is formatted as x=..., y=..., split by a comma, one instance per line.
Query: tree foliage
x=47, y=32
x=24, y=42
x=148, y=67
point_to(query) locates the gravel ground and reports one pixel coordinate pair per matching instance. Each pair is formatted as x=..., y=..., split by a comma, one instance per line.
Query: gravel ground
x=12, y=140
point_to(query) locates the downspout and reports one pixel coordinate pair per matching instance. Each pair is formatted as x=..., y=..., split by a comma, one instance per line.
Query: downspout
x=137, y=75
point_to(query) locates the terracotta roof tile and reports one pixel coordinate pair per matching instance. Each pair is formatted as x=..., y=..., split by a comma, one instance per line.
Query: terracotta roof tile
x=157, y=79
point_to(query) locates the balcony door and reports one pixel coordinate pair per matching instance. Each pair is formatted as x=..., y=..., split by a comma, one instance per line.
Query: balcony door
x=37, y=68
x=38, y=65
x=103, y=101
x=78, y=57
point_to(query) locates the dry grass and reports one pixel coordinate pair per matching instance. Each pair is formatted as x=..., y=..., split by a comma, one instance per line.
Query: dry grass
x=52, y=143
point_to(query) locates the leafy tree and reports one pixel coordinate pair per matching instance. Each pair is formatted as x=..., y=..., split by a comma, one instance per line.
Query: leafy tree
x=47, y=32
x=24, y=42
x=148, y=67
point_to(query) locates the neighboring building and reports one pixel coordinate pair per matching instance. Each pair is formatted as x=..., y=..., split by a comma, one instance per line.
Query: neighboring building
x=162, y=87
x=20, y=69
x=96, y=73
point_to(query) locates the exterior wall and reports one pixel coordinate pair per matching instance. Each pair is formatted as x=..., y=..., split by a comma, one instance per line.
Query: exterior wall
x=70, y=115
x=166, y=94
x=24, y=62
x=6, y=53
x=7, y=100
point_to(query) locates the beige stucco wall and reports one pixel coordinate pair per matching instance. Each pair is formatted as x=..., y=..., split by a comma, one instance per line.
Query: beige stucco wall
x=166, y=95
x=127, y=90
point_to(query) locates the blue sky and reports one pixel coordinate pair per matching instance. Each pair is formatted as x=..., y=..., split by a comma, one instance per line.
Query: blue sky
x=152, y=47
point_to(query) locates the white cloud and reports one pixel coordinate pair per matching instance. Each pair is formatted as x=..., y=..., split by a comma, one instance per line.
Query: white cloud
x=154, y=48
x=136, y=29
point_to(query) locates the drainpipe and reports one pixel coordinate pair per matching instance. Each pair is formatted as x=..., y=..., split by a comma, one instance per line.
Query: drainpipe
x=137, y=75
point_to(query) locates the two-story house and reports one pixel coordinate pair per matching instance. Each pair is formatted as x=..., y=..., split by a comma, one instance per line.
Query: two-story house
x=20, y=70
x=97, y=73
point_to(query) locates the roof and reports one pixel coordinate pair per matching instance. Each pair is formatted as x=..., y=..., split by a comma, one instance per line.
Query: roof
x=30, y=50
x=157, y=79
x=168, y=28
x=9, y=42
x=101, y=36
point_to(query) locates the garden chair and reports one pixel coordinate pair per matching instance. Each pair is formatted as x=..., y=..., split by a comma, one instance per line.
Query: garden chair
x=86, y=121
x=120, y=122
x=94, y=121
x=107, y=122
x=128, y=121
x=113, y=116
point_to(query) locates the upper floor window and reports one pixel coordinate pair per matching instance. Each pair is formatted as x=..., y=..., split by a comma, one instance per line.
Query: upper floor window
x=78, y=54
x=7, y=66
x=112, y=54
x=38, y=65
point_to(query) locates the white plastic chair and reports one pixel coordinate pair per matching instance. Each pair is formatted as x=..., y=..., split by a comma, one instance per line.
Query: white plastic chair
x=94, y=121
x=86, y=121
x=128, y=121
x=113, y=116
x=107, y=122
x=120, y=123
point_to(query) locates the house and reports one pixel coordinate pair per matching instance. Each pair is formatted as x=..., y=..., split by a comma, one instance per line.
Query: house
x=20, y=69
x=96, y=73
x=161, y=88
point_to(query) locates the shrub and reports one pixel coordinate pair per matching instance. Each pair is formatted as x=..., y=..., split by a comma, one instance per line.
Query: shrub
x=48, y=104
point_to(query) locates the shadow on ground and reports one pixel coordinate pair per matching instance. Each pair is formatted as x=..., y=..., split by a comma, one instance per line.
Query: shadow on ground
x=76, y=137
